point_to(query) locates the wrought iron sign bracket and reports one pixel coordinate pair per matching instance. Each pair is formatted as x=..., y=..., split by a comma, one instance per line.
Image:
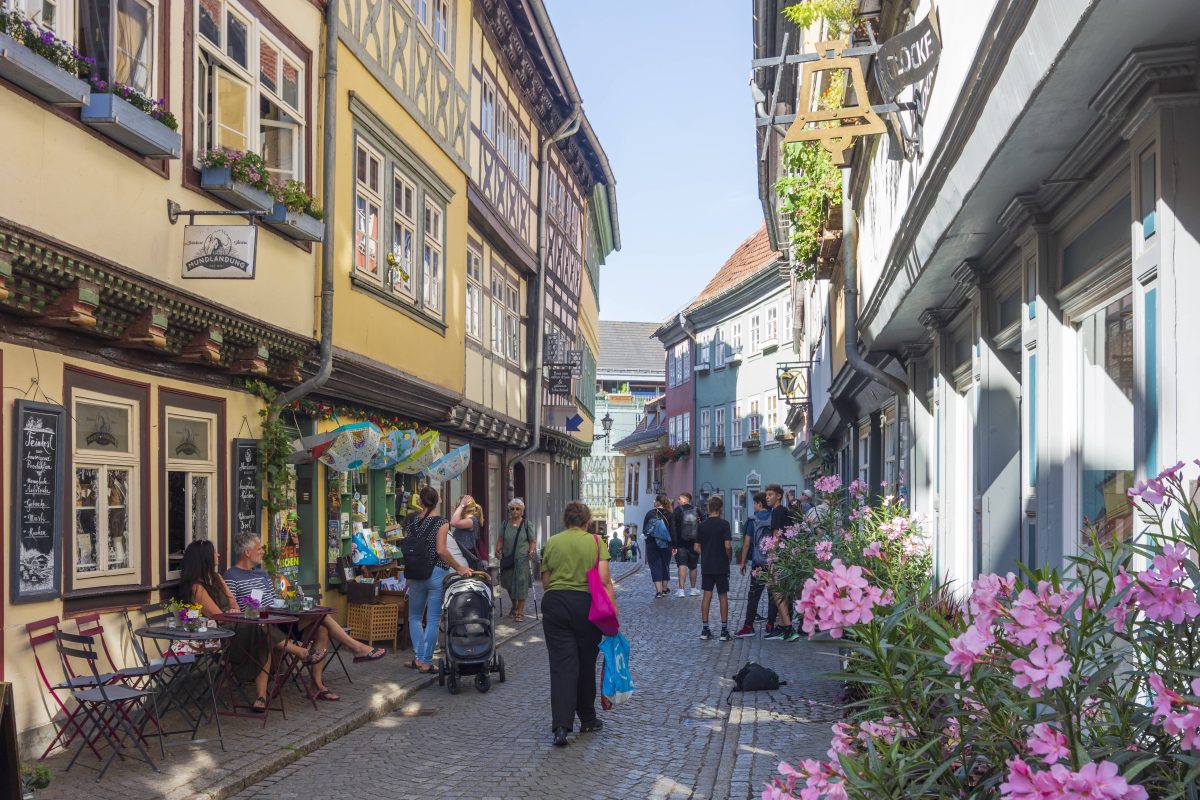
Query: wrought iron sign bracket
x=792, y=382
x=174, y=212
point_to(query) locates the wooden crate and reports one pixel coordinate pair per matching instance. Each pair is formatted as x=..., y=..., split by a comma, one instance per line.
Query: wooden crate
x=400, y=600
x=375, y=622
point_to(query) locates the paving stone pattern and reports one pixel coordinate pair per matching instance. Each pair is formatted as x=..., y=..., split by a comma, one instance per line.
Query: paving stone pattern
x=677, y=737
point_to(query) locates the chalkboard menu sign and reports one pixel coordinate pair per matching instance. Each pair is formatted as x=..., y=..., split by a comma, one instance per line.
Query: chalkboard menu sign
x=37, y=492
x=247, y=487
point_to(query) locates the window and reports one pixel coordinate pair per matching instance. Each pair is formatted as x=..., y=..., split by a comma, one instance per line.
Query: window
x=735, y=338
x=250, y=89
x=368, y=200
x=890, y=443
x=739, y=512
x=400, y=273
x=788, y=322
x=637, y=468
x=119, y=34
x=755, y=420
x=718, y=348
x=650, y=470
x=772, y=413
x=864, y=453
x=670, y=368
x=502, y=130
x=523, y=160
x=498, y=292
x=685, y=433
x=755, y=332
x=705, y=431
x=487, y=110
x=513, y=321
x=441, y=24
x=474, y=293
x=420, y=10
x=686, y=354
x=105, y=462
x=718, y=434
x=772, y=324
x=672, y=431
x=431, y=275
x=735, y=426
x=190, y=453
x=49, y=15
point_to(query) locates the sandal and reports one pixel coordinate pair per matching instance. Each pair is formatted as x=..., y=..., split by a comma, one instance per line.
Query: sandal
x=325, y=694
x=375, y=654
x=518, y=617
x=428, y=669
x=260, y=705
x=313, y=657
x=410, y=664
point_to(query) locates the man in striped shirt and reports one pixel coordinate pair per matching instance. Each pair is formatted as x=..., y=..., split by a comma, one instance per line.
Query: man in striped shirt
x=246, y=576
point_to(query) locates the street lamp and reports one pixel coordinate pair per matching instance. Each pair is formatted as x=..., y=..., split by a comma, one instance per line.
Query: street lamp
x=605, y=422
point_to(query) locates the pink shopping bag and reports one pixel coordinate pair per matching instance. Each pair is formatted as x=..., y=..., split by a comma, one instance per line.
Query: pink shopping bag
x=603, y=613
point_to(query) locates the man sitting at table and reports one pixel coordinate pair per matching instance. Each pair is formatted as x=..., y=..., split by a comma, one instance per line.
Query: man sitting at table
x=246, y=579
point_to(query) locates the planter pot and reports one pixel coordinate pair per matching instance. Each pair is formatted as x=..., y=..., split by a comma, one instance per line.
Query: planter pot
x=295, y=224
x=219, y=181
x=752, y=444
x=130, y=126
x=718, y=451
x=39, y=77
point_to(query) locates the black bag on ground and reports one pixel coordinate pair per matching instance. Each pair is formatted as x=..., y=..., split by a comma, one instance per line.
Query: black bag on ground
x=755, y=677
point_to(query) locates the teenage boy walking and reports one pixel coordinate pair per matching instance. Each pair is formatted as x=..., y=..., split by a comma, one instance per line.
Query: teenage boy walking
x=758, y=526
x=779, y=521
x=687, y=526
x=714, y=546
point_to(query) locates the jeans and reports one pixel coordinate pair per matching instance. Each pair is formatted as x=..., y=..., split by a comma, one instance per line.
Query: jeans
x=659, y=561
x=757, y=587
x=422, y=595
x=573, y=644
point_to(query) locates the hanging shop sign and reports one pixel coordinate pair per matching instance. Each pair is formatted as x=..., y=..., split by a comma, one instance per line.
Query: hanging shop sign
x=908, y=57
x=575, y=359
x=37, y=490
x=219, y=251
x=560, y=379
x=791, y=382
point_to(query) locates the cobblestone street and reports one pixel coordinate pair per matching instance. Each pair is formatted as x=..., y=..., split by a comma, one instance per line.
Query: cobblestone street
x=677, y=737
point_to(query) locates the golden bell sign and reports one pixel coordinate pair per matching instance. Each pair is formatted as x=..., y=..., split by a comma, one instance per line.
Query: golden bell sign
x=813, y=125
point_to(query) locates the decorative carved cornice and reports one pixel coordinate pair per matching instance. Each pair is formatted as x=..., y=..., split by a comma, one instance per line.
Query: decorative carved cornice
x=933, y=320
x=970, y=275
x=1021, y=211
x=483, y=423
x=1149, y=79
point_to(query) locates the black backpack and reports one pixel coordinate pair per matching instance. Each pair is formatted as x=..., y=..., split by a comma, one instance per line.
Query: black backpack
x=688, y=524
x=755, y=677
x=418, y=566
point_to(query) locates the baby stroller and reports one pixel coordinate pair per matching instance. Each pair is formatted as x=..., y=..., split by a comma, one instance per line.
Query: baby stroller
x=469, y=634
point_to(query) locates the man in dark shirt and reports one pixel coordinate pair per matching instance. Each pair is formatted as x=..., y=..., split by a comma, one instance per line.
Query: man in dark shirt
x=780, y=519
x=687, y=520
x=714, y=546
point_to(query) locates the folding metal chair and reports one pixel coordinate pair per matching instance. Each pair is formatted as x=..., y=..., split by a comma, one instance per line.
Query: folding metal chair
x=335, y=647
x=42, y=632
x=106, y=706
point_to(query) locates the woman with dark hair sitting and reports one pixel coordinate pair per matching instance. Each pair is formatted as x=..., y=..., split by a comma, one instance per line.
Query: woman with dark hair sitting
x=201, y=583
x=572, y=641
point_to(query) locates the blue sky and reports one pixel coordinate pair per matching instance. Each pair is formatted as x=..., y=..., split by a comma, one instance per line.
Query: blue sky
x=665, y=85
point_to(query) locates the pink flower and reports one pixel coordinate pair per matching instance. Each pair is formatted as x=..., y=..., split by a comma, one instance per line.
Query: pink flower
x=1102, y=781
x=873, y=550
x=1045, y=669
x=966, y=650
x=1171, y=473
x=823, y=549
x=989, y=589
x=828, y=484
x=1152, y=491
x=838, y=598
x=1031, y=621
x=1049, y=743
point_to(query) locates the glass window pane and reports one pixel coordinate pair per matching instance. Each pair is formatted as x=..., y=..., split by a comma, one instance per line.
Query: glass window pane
x=233, y=113
x=86, y=497
x=268, y=65
x=187, y=439
x=210, y=20
x=200, y=507
x=118, y=526
x=1148, y=195
x=237, y=47
x=279, y=137
x=1103, y=237
x=291, y=84
x=135, y=39
x=1107, y=392
x=100, y=427
x=176, y=518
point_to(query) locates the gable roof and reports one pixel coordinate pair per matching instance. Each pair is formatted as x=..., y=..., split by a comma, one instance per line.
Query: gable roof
x=752, y=256
x=627, y=348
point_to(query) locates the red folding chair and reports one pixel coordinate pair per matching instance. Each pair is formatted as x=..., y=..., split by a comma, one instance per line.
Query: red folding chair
x=43, y=632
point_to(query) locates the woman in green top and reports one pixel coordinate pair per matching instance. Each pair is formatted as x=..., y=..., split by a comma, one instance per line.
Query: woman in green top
x=572, y=641
x=516, y=540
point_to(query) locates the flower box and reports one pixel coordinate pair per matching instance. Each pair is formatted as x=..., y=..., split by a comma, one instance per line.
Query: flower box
x=718, y=450
x=295, y=224
x=132, y=127
x=753, y=443
x=219, y=181
x=735, y=357
x=39, y=77
x=785, y=437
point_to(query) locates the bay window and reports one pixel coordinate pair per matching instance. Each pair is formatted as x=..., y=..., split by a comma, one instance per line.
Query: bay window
x=249, y=88
x=191, y=488
x=105, y=540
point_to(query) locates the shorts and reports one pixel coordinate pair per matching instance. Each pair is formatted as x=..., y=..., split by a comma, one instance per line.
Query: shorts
x=717, y=583
x=687, y=557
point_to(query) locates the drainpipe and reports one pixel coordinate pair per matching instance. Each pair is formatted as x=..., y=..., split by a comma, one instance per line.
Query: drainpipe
x=853, y=357
x=328, y=178
x=569, y=127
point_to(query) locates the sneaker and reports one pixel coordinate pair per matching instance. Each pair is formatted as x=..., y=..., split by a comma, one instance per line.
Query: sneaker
x=725, y=637
x=774, y=633
x=791, y=636
x=705, y=634
x=744, y=631
x=759, y=618
x=679, y=593
x=695, y=592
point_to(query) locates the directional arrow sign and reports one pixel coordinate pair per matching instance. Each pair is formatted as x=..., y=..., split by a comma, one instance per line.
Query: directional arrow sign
x=566, y=417
x=573, y=423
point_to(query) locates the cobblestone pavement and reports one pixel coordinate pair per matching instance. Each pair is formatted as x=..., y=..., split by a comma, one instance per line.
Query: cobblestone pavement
x=677, y=737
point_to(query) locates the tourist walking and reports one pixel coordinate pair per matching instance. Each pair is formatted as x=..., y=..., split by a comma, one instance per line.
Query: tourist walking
x=657, y=529
x=758, y=526
x=780, y=519
x=427, y=562
x=514, y=550
x=714, y=546
x=687, y=525
x=572, y=641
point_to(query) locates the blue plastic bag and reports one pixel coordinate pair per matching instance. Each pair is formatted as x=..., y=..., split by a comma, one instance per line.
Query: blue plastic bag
x=616, y=683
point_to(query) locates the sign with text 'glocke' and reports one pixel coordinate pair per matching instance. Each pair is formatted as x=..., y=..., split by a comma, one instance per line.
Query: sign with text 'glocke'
x=908, y=57
x=219, y=251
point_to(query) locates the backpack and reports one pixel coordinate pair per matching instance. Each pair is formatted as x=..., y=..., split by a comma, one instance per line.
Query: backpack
x=657, y=530
x=418, y=566
x=755, y=677
x=689, y=523
x=756, y=529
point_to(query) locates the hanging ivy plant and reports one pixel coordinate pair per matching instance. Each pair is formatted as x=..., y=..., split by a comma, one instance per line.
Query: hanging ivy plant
x=838, y=15
x=274, y=448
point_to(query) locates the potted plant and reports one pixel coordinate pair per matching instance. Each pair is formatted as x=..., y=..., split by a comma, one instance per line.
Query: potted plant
x=34, y=778
x=296, y=214
x=682, y=451
x=172, y=607
x=251, y=608
x=753, y=442
x=40, y=62
x=784, y=435
x=125, y=115
x=239, y=178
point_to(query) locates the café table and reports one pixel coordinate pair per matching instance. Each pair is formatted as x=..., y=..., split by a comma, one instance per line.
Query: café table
x=274, y=666
x=308, y=625
x=175, y=675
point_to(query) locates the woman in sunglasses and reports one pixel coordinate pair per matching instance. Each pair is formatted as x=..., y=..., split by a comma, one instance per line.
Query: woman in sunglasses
x=514, y=548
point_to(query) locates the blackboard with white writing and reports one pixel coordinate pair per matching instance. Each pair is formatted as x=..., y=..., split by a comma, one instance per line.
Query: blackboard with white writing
x=37, y=501
x=247, y=487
